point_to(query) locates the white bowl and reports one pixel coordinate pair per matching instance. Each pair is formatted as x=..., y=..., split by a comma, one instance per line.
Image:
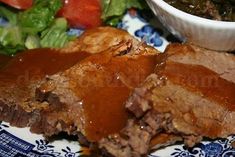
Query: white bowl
x=211, y=34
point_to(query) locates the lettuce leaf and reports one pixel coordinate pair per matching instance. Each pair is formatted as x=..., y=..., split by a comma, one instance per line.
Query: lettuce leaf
x=56, y=35
x=11, y=36
x=11, y=40
x=113, y=10
x=9, y=15
x=40, y=16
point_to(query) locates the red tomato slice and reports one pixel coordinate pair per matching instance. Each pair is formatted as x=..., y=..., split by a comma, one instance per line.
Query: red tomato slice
x=19, y=4
x=82, y=13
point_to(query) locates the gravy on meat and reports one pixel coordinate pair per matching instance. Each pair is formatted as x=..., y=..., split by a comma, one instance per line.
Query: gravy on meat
x=35, y=64
x=104, y=103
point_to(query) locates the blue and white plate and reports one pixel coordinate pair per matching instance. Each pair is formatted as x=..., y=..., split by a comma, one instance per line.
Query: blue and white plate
x=20, y=142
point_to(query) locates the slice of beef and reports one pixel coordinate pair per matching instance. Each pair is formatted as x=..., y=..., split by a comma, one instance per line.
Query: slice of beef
x=219, y=62
x=190, y=99
x=99, y=39
x=89, y=96
x=17, y=103
x=19, y=78
x=134, y=140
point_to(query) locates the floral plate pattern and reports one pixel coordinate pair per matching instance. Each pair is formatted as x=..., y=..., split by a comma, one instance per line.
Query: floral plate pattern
x=19, y=142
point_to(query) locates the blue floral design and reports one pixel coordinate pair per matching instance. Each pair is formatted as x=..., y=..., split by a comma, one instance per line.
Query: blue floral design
x=43, y=145
x=150, y=35
x=50, y=153
x=68, y=152
x=229, y=153
x=180, y=153
x=219, y=148
x=213, y=149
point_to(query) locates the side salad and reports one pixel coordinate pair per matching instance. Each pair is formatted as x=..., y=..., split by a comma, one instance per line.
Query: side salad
x=29, y=24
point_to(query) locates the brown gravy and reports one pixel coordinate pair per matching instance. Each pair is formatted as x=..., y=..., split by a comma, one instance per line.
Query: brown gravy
x=203, y=80
x=35, y=64
x=104, y=103
x=105, y=111
x=4, y=60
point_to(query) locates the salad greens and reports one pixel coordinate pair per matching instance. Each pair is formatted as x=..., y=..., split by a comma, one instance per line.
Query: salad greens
x=113, y=10
x=56, y=31
x=11, y=39
x=37, y=18
x=37, y=26
x=33, y=28
x=8, y=14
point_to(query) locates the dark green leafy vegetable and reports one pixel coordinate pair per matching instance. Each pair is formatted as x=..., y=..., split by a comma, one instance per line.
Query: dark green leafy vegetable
x=212, y=9
x=113, y=10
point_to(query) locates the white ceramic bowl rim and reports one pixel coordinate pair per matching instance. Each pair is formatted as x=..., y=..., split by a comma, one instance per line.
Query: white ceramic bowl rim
x=195, y=19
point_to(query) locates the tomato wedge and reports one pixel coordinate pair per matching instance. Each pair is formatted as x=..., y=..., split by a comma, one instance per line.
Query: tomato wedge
x=82, y=13
x=19, y=4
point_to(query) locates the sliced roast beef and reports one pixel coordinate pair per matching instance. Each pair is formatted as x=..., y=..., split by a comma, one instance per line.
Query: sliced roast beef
x=21, y=75
x=189, y=94
x=90, y=96
x=219, y=62
x=190, y=98
x=19, y=78
x=99, y=39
